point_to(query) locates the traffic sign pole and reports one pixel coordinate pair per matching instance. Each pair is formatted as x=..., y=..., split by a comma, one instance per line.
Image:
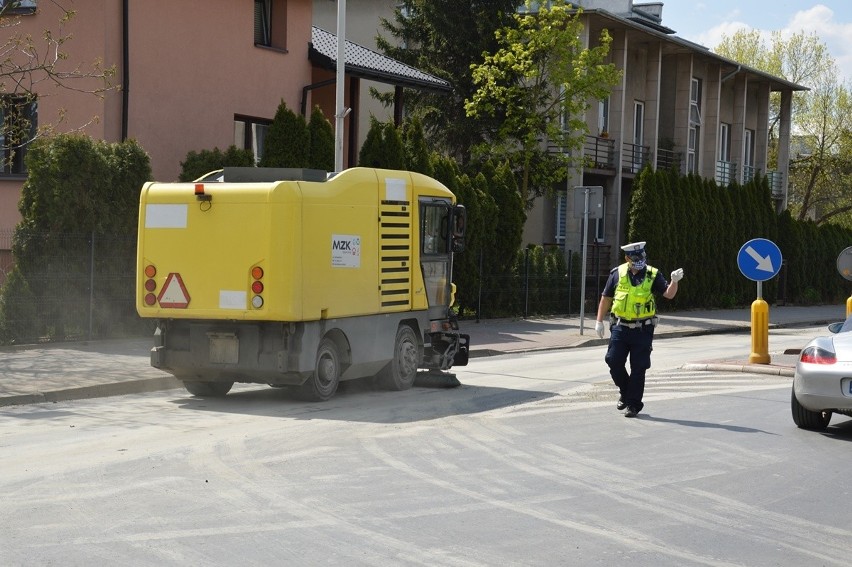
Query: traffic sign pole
x=759, y=332
x=759, y=260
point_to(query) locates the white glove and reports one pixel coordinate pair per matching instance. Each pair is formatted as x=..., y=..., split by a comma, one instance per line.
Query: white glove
x=677, y=275
x=599, y=328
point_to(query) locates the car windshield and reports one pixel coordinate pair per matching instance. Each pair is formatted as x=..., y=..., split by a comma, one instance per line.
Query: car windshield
x=847, y=325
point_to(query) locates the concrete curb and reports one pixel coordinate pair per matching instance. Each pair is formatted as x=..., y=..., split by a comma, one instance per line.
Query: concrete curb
x=751, y=368
x=99, y=391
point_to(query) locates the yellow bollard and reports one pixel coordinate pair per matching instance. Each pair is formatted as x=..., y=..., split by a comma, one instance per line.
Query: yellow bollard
x=849, y=306
x=759, y=332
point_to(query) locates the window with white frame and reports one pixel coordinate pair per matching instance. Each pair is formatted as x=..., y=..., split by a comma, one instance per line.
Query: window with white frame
x=748, y=155
x=603, y=116
x=561, y=212
x=599, y=223
x=638, y=157
x=724, y=142
x=725, y=169
x=694, y=126
x=748, y=147
x=250, y=133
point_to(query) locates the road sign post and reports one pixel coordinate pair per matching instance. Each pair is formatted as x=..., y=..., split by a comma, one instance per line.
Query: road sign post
x=588, y=202
x=759, y=260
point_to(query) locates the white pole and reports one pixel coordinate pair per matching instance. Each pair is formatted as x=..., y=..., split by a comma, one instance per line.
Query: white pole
x=340, y=110
x=586, y=192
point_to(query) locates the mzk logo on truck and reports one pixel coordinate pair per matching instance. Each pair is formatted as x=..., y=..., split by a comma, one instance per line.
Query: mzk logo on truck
x=345, y=251
x=293, y=277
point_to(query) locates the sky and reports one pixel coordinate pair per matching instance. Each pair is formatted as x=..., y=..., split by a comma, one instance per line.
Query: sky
x=706, y=21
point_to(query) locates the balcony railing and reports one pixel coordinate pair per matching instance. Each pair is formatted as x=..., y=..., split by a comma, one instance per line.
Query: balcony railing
x=668, y=159
x=634, y=157
x=749, y=173
x=726, y=172
x=599, y=152
x=776, y=183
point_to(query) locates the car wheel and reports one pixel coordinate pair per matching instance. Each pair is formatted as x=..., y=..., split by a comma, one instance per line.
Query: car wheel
x=207, y=389
x=402, y=370
x=325, y=378
x=807, y=419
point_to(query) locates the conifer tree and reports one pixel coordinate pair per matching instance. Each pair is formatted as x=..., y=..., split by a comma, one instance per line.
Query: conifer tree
x=417, y=156
x=287, y=142
x=322, y=141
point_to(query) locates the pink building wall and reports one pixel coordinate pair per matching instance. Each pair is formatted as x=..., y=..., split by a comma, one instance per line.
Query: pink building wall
x=192, y=66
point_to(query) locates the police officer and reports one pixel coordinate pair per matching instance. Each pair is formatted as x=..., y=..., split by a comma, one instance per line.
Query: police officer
x=629, y=299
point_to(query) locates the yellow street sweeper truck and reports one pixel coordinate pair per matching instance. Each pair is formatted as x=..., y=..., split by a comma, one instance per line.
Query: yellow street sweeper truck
x=292, y=277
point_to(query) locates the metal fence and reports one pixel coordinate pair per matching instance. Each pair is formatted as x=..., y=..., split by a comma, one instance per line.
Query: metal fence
x=541, y=283
x=69, y=287
x=82, y=287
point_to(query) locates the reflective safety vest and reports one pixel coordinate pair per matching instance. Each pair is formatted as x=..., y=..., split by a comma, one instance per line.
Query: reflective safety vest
x=634, y=301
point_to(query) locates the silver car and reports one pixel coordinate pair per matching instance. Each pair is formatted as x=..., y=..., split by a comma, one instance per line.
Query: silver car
x=822, y=384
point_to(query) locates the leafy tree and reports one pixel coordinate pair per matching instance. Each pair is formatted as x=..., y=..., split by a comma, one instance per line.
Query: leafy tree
x=322, y=141
x=541, y=79
x=287, y=142
x=200, y=163
x=427, y=36
x=27, y=62
x=820, y=175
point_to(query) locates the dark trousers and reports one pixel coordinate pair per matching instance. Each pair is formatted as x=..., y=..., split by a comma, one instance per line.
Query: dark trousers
x=635, y=343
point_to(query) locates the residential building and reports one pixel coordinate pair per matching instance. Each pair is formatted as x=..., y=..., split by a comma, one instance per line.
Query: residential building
x=191, y=76
x=678, y=105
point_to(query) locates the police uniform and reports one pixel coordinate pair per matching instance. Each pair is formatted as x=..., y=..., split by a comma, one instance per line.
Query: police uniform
x=632, y=321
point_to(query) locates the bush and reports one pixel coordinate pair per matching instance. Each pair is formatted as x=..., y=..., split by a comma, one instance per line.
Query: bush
x=17, y=309
x=288, y=140
x=81, y=196
x=200, y=163
x=322, y=141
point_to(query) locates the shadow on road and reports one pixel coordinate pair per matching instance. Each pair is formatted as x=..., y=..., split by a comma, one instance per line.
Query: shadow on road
x=360, y=403
x=690, y=423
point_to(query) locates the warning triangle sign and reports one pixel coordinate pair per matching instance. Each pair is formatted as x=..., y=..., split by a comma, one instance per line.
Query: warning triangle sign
x=174, y=294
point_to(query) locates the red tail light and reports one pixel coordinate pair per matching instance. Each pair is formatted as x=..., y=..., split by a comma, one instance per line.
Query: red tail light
x=816, y=355
x=150, y=285
x=257, y=287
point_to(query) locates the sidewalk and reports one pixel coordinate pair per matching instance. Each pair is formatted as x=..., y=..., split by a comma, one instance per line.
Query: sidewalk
x=56, y=372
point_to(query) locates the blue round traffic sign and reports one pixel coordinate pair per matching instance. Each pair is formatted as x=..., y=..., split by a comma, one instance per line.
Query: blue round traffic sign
x=759, y=259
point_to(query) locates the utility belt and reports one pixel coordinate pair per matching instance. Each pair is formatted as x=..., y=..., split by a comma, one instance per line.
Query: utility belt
x=633, y=323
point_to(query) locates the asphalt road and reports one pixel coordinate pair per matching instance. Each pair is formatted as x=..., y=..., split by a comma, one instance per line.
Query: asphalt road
x=526, y=463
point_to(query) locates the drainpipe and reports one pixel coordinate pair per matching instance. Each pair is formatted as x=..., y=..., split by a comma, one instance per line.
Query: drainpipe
x=311, y=87
x=732, y=73
x=125, y=62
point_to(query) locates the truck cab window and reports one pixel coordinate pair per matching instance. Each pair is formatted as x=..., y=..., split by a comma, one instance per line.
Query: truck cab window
x=434, y=228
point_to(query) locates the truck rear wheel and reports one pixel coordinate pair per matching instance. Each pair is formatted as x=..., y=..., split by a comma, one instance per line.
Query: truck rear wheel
x=208, y=389
x=402, y=370
x=325, y=378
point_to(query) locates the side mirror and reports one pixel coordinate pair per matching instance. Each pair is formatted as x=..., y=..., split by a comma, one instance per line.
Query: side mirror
x=835, y=327
x=459, y=223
